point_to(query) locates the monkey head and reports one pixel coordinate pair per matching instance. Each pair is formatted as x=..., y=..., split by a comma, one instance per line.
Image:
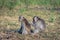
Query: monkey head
x=36, y=18
x=21, y=18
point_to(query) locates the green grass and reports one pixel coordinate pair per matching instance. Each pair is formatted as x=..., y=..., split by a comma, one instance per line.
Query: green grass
x=13, y=3
x=9, y=18
x=10, y=21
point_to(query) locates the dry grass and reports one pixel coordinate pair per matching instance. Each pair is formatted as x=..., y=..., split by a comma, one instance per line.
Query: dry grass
x=9, y=21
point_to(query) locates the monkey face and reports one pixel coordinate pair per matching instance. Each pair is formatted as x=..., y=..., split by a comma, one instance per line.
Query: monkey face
x=35, y=19
x=21, y=18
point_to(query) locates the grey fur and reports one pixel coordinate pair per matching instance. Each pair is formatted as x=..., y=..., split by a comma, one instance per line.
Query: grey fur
x=39, y=25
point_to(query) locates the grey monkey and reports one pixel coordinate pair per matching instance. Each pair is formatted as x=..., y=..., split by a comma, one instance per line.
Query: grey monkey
x=39, y=24
x=25, y=26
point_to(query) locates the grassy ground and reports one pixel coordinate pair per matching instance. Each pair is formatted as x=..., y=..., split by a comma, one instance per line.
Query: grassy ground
x=9, y=19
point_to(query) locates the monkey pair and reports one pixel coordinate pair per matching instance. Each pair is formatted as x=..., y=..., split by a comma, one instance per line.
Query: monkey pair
x=37, y=23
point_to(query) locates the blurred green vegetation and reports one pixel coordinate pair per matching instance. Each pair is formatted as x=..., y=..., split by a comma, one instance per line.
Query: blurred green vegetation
x=9, y=3
x=13, y=3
